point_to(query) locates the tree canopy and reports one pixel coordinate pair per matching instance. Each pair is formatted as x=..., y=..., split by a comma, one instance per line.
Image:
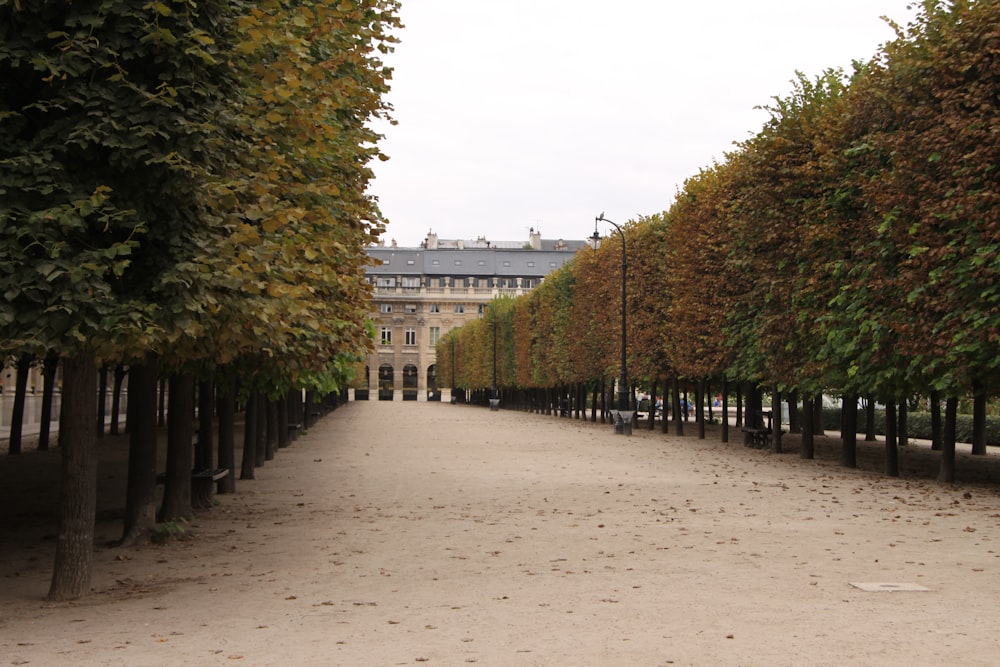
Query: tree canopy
x=851, y=246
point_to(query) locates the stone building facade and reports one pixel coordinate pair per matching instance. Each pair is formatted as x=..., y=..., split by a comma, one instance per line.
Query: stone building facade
x=420, y=294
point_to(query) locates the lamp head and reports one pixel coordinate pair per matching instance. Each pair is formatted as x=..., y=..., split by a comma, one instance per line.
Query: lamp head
x=595, y=239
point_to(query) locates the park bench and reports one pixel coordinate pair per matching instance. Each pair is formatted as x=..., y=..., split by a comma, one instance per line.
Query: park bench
x=201, y=485
x=759, y=437
x=202, y=482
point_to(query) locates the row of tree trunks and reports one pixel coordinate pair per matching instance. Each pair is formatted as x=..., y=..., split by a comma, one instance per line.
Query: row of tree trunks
x=571, y=401
x=78, y=431
x=50, y=367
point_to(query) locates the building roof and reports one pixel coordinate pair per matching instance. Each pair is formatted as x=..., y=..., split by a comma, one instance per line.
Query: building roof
x=468, y=262
x=537, y=257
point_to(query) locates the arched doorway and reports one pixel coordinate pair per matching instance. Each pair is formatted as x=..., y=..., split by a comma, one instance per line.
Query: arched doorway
x=385, y=386
x=433, y=393
x=409, y=382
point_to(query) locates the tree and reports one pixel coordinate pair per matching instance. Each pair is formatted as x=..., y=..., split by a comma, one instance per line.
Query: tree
x=189, y=178
x=74, y=557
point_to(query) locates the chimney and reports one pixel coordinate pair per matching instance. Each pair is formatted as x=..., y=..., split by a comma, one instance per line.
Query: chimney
x=535, y=239
x=432, y=240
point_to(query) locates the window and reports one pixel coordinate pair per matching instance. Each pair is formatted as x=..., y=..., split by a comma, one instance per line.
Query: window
x=482, y=262
x=531, y=265
x=410, y=336
x=458, y=262
x=435, y=335
x=411, y=283
x=410, y=308
x=506, y=263
x=459, y=308
x=482, y=309
x=385, y=308
x=385, y=282
x=435, y=308
x=387, y=335
x=436, y=262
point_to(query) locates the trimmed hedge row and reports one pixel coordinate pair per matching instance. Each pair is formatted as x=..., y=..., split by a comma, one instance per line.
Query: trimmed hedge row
x=918, y=425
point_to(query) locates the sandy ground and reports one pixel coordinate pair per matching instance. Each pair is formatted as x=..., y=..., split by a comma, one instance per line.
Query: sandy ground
x=402, y=533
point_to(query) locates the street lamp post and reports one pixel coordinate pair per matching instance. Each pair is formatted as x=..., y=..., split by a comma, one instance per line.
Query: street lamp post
x=623, y=416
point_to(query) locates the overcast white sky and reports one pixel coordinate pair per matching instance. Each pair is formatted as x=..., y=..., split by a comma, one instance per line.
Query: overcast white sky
x=544, y=113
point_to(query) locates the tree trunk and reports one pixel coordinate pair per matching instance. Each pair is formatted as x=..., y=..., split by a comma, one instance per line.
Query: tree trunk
x=678, y=417
x=776, y=420
x=752, y=405
x=116, y=398
x=604, y=401
x=20, y=395
x=595, y=398
x=74, y=557
x=725, y=410
x=978, y=418
x=699, y=411
x=849, y=429
x=947, y=472
x=140, y=494
x=794, y=418
x=808, y=450
x=309, y=408
x=891, y=443
x=709, y=401
x=664, y=423
x=935, y=420
x=247, y=465
x=740, y=408
x=226, y=410
x=260, y=442
x=102, y=399
x=652, y=406
x=271, y=429
x=204, y=456
x=283, y=422
x=902, y=431
x=180, y=458
x=870, y=420
x=818, y=418
x=161, y=419
x=294, y=400
x=49, y=369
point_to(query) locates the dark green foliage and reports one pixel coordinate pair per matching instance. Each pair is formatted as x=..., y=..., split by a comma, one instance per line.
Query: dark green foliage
x=109, y=132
